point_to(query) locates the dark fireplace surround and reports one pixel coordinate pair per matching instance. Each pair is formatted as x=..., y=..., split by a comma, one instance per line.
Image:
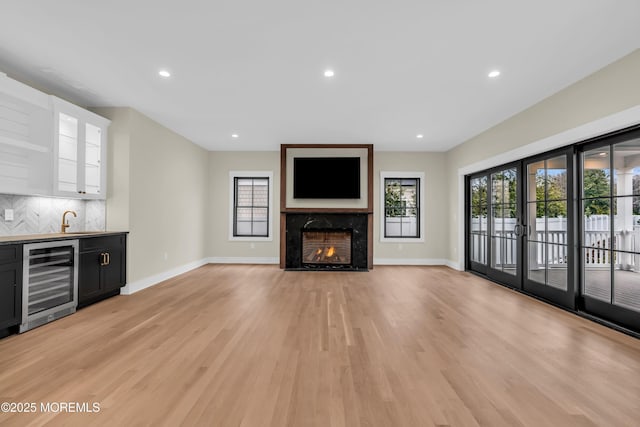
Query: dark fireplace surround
x=329, y=226
x=299, y=223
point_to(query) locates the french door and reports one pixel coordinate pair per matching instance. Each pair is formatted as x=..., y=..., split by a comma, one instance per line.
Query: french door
x=519, y=226
x=549, y=232
x=494, y=225
x=610, y=228
x=564, y=226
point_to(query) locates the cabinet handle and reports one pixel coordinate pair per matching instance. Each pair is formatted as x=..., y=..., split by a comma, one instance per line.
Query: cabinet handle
x=103, y=259
x=108, y=258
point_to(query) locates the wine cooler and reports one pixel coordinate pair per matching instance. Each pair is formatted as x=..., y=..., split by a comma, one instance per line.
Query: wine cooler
x=50, y=282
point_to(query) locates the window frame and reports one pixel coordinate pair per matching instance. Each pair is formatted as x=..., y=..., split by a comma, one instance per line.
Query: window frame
x=233, y=175
x=420, y=176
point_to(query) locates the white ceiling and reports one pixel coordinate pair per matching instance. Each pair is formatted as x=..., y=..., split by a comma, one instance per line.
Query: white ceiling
x=255, y=68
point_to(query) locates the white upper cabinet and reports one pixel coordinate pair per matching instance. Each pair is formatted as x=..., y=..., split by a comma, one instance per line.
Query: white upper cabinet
x=26, y=139
x=80, y=151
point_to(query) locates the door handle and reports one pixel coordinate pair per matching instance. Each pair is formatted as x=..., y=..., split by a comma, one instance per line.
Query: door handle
x=517, y=230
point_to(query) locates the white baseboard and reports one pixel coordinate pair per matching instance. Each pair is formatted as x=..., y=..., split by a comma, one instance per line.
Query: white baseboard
x=147, y=282
x=243, y=260
x=409, y=261
x=453, y=264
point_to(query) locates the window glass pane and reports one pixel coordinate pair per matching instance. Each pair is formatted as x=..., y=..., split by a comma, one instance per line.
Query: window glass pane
x=260, y=228
x=596, y=173
x=243, y=228
x=402, y=207
x=260, y=214
x=251, y=200
x=626, y=162
x=244, y=192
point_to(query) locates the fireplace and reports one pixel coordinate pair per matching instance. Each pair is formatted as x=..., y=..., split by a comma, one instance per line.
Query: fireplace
x=331, y=247
x=319, y=241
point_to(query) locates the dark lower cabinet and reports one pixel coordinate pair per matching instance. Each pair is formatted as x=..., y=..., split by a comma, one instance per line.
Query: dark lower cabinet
x=102, y=268
x=10, y=288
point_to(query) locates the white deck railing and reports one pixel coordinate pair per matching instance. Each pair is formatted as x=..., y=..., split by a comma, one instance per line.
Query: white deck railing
x=597, y=242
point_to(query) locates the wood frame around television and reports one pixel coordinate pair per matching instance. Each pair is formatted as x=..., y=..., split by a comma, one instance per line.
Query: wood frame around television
x=283, y=196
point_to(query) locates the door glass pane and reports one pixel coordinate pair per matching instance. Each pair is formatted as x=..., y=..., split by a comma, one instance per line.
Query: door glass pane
x=497, y=228
x=596, y=173
x=556, y=222
x=626, y=279
x=497, y=188
x=537, y=262
x=537, y=221
x=556, y=178
x=626, y=225
x=626, y=163
x=497, y=251
x=535, y=181
x=557, y=266
x=597, y=279
x=510, y=256
x=510, y=186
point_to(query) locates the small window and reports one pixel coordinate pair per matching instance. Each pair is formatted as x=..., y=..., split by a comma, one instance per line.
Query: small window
x=251, y=213
x=402, y=206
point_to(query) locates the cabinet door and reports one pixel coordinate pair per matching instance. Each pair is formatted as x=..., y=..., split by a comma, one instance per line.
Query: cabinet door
x=10, y=295
x=113, y=273
x=25, y=145
x=79, y=166
x=89, y=271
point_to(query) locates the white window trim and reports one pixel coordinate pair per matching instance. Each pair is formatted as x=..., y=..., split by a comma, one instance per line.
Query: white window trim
x=250, y=174
x=403, y=174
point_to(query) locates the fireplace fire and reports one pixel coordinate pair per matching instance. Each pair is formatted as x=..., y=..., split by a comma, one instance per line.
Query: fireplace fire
x=326, y=247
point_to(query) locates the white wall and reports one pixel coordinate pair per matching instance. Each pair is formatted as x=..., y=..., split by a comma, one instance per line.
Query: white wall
x=218, y=245
x=602, y=102
x=159, y=189
x=435, y=247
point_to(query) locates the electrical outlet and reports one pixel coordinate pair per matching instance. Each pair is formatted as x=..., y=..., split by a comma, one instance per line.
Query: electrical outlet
x=8, y=214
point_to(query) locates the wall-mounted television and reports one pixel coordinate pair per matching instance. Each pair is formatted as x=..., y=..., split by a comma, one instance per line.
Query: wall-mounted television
x=326, y=177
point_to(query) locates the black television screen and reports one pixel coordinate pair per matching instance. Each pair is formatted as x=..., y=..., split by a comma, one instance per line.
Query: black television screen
x=326, y=178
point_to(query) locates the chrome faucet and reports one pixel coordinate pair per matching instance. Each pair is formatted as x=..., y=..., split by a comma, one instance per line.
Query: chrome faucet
x=65, y=222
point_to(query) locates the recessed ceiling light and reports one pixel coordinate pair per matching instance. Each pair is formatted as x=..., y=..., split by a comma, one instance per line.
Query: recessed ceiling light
x=602, y=154
x=419, y=136
x=329, y=73
x=493, y=74
x=164, y=73
x=234, y=135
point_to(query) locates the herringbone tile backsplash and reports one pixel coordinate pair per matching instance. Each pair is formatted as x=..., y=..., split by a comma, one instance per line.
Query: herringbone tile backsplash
x=37, y=215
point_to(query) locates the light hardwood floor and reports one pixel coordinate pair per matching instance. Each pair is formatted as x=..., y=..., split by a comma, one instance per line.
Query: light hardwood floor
x=257, y=346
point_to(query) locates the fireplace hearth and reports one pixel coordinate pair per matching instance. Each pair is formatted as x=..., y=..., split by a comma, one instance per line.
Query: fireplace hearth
x=318, y=241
